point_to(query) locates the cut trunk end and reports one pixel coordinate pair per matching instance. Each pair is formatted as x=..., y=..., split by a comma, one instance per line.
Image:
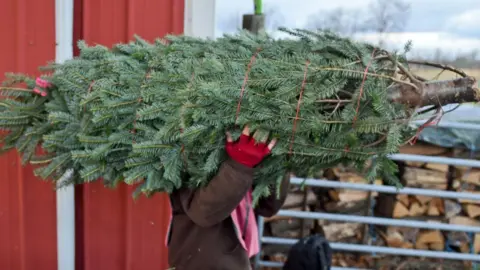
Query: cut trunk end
x=462, y=90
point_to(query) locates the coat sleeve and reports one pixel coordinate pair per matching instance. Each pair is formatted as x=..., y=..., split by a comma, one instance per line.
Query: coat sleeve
x=213, y=203
x=269, y=206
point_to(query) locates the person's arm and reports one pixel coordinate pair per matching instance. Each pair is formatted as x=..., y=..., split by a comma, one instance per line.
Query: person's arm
x=213, y=203
x=269, y=206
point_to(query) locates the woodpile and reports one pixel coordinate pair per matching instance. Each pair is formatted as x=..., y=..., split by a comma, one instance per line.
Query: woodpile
x=434, y=209
x=406, y=207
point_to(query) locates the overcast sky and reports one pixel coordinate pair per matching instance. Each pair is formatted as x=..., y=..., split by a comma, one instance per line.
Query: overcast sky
x=452, y=26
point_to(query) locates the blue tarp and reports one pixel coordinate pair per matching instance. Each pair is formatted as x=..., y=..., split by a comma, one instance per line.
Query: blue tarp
x=455, y=136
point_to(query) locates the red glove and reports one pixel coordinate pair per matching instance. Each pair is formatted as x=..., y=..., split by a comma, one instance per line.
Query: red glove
x=246, y=150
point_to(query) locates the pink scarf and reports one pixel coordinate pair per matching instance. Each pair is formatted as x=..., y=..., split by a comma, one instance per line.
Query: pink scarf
x=250, y=232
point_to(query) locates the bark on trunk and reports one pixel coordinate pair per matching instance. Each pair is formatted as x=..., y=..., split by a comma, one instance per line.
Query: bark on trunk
x=460, y=90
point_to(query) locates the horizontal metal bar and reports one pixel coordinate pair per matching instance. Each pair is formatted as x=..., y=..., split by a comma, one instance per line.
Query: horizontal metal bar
x=439, y=160
x=384, y=250
x=270, y=264
x=449, y=124
x=379, y=221
x=280, y=265
x=385, y=189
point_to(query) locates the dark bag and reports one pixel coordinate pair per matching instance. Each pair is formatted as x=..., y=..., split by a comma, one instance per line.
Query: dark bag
x=310, y=253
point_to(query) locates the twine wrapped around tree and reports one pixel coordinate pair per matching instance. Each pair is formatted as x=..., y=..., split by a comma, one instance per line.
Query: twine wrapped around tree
x=156, y=114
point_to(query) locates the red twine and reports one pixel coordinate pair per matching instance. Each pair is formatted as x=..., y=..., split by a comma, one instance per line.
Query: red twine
x=42, y=84
x=361, y=87
x=245, y=79
x=140, y=100
x=430, y=122
x=88, y=91
x=298, y=105
x=39, y=92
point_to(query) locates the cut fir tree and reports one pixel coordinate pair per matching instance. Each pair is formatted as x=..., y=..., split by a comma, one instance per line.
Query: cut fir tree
x=156, y=114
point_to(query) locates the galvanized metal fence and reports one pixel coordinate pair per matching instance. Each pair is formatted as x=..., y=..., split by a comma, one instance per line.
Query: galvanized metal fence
x=361, y=248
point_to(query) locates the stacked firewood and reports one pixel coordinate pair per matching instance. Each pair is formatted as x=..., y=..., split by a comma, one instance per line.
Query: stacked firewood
x=365, y=203
x=434, y=209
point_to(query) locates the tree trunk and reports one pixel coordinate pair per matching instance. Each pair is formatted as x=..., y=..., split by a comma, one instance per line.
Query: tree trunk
x=460, y=90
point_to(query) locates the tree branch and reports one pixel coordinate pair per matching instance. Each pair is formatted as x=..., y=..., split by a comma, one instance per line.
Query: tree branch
x=444, y=67
x=441, y=93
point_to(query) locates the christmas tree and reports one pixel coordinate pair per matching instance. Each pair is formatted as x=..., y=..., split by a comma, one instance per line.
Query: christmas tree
x=156, y=114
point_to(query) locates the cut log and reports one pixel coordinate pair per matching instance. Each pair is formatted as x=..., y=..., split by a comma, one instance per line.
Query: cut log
x=336, y=232
x=424, y=200
x=476, y=243
x=417, y=209
x=429, y=166
x=452, y=208
x=294, y=200
x=354, y=195
x=472, y=210
x=404, y=198
x=472, y=177
x=396, y=239
x=424, y=178
x=461, y=220
x=437, y=246
x=400, y=210
x=435, y=207
x=435, y=92
x=353, y=208
x=334, y=195
x=429, y=240
x=437, y=167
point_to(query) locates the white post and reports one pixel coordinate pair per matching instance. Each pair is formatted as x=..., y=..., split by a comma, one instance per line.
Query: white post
x=199, y=20
x=65, y=196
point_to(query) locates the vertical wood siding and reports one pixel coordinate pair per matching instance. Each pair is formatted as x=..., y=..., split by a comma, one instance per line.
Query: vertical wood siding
x=27, y=204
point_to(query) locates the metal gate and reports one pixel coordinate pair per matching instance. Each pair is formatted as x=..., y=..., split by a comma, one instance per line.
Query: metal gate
x=371, y=220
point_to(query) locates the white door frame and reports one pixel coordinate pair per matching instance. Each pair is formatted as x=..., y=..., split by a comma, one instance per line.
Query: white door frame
x=65, y=203
x=199, y=20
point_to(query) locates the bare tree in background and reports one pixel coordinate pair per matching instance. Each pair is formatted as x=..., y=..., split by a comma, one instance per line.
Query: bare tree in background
x=381, y=16
x=438, y=55
x=387, y=16
x=343, y=21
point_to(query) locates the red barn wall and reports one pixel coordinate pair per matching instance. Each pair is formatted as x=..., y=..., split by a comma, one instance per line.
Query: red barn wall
x=112, y=230
x=27, y=204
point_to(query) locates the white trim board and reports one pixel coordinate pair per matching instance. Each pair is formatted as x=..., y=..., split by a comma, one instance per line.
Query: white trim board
x=199, y=19
x=65, y=203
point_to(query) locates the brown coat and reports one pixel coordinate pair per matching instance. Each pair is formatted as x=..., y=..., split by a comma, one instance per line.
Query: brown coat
x=202, y=234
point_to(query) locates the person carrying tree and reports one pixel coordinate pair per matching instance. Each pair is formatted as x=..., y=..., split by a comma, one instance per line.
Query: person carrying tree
x=214, y=227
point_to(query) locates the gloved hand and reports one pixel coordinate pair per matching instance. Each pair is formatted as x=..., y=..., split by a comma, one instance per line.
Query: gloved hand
x=246, y=150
